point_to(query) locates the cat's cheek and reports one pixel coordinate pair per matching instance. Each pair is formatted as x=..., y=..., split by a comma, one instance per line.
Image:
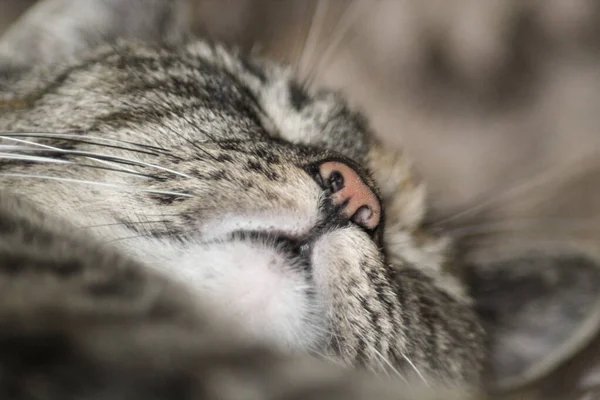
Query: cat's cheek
x=345, y=264
x=262, y=290
x=341, y=256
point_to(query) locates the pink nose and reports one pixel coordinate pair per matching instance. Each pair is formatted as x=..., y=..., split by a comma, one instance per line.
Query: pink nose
x=351, y=193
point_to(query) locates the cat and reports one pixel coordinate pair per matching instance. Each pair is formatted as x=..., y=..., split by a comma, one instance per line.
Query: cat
x=182, y=221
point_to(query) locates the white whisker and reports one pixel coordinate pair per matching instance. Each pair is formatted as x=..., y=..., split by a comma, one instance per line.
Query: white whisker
x=8, y=147
x=308, y=49
x=382, y=360
x=81, y=136
x=551, y=176
x=525, y=225
x=100, y=184
x=24, y=157
x=114, y=165
x=511, y=243
x=342, y=28
x=28, y=158
x=122, y=224
x=97, y=156
x=385, y=362
x=415, y=369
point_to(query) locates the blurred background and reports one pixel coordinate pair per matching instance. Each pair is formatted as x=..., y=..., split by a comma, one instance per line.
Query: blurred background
x=497, y=102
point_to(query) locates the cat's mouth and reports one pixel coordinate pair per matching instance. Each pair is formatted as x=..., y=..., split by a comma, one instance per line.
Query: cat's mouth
x=300, y=248
x=294, y=246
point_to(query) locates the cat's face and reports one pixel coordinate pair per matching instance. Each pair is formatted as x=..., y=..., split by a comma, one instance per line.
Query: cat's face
x=227, y=175
x=274, y=205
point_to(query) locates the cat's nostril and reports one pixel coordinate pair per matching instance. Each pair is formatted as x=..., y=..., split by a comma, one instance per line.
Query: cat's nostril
x=356, y=199
x=336, y=181
x=363, y=215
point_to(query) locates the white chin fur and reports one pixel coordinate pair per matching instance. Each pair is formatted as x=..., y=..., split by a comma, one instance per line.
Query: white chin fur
x=251, y=282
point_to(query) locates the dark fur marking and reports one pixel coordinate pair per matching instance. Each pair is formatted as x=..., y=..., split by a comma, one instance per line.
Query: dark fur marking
x=272, y=175
x=105, y=289
x=298, y=97
x=23, y=356
x=11, y=264
x=224, y=158
x=14, y=264
x=270, y=196
x=256, y=166
x=267, y=156
x=432, y=323
x=254, y=69
x=125, y=282
x=217, y=175
x=361, y=346
x=216, y=91
x=407, y=301
x=28, y=233
x=7, y=225
x=374, y=318
x=248, y=184
x=380, y=287
x=165, y=199
x=228, y=145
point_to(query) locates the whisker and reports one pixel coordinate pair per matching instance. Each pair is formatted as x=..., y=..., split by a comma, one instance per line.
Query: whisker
x=111, y=43
x=132, y=106
x=415, y=369
x=344, y=25
x=100, y=184
x=387, y=362
x=23, y=157
x=326, y=332
x=381, y=359
x=314, y=30
x=136, y=107
x=94, y=156
x=118, y=170
x=26, y=158
x=512, y=244
x=80, y=138
x=525, y=225
x=122, y=223
x=44, y=146
x=550, y=176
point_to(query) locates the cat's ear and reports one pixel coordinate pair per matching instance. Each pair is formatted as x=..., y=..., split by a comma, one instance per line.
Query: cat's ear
x=542, y=312
x=53, y=31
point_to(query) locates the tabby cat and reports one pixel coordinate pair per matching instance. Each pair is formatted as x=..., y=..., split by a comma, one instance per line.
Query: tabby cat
x=181, y=221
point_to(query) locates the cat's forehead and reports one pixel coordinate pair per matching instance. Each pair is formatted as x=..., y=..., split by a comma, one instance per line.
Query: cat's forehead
x=294, y=113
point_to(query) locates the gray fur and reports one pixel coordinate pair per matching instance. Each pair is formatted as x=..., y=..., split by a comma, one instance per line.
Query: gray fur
x=230, y=136
x=156, y=148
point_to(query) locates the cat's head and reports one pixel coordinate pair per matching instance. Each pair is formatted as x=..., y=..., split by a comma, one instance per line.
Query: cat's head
x=275, y=204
